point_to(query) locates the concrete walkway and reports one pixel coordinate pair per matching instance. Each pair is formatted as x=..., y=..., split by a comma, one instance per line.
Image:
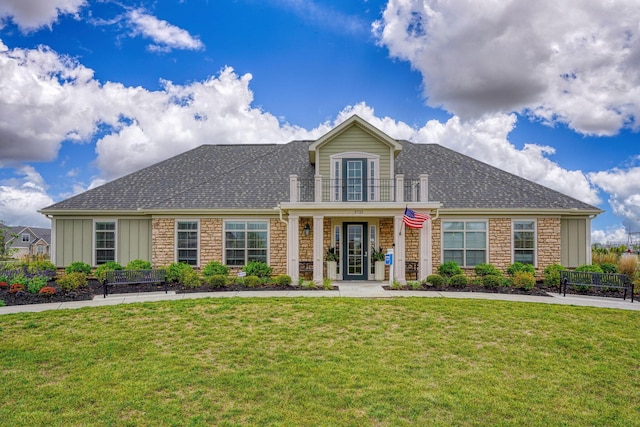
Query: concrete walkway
x=346, y=290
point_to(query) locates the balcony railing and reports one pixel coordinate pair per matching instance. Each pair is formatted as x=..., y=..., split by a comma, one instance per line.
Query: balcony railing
x=357, y=190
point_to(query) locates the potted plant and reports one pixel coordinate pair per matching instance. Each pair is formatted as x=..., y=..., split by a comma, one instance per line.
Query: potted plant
x=332, y=263
x=377, y=256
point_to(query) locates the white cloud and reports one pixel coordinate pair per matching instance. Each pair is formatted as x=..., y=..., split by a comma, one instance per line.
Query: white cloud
x=164, y=35
x=20, y=198
x=572, y=61
x=614, y=235
x=30, y=15
x=623, y=187
x=324, y=17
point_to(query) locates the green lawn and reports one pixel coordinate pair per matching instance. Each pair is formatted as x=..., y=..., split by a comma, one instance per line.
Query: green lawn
x=321, y=361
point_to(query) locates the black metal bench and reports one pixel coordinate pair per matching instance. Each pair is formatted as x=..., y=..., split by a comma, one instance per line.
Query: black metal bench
x=134, y=277
x=411, y=268
x=595, y=280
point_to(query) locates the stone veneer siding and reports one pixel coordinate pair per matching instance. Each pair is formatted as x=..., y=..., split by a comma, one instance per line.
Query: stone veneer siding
x=385, y=231
x=278, y=247
x=549, y=248
x=500, y=238
x=162, y=241
x=210, y=240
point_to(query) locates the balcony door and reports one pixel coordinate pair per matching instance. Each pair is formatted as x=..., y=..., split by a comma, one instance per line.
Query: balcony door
x=354, y=177
x=355, y=253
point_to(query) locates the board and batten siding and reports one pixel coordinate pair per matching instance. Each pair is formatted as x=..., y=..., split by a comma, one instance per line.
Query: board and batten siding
x=573, y=238
x=355, y=139
x=74, y=241
x=134, y=240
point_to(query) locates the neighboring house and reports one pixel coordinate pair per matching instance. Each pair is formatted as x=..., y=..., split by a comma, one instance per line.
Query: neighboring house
x=286, y=204
x=22, y=241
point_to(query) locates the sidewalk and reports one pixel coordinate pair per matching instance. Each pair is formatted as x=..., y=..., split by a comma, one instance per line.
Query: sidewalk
x=346, y=290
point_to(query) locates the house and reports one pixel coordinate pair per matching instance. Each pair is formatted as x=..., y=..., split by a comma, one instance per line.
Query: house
x=287, y=204
x=20, y=241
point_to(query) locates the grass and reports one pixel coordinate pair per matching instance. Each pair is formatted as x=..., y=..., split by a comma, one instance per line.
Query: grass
x=324, y=361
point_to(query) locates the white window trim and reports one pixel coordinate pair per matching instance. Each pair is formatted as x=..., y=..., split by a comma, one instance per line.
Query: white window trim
x=28, y=236
x=175, y=238
x=354, y=155
x=535, y=238
x=465, y=220
x=224, y=240
x=93, y=239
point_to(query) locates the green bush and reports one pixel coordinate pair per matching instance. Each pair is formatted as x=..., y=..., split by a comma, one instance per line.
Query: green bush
x=37, y=267
x=174, y=270
x=36, y=283
x=483, y=269
x=458, y=281
x=215, y=268
x=608, y=267
x=216, y=280
x=138, y=264
x=189, y=278
x=434, y=280
x=78, y=267
x=590, y=268
x=72, y=281
x=102, y=269
x=518, y=266
x=492, y=281
x=283, y=280
x=449, y=269
x=524, y=280
x=256, y=268
x=2, y=303
x=552, y=274
x=252, y=281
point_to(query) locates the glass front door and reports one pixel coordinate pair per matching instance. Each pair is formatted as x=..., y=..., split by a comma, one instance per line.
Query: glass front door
x=355, y=254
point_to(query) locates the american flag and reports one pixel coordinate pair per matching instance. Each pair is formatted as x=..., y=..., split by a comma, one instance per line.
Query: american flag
x=413, y=219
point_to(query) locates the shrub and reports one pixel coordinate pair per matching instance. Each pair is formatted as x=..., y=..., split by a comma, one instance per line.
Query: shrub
x=174, y=269
x=2, y=304
x=518, y=266
x=102, y=269
x=608, y=267
x=42, y=268
x=283, y=280
x=524, y=280
x=590, y=268
x=434, y=280
x=15, y=288
x=189, y=277
x=78, y=267
x=458, y=281
x=216, y=280
x=138, y=264
x=215, y=268
x=414, y=284
x=72, y=281
x=251, y=281
x=4, y=285
x=256, y=268
x=552, y=274
x=36, y=283
x=492, y=281
x=449, y=269
x=47, y=291
x=486, y=270
x=628, y=264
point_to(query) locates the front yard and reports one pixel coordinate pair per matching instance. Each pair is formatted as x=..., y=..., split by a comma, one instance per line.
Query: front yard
x=338, y=362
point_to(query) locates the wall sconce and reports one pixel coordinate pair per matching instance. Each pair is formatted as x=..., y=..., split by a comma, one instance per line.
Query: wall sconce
x=306, y=230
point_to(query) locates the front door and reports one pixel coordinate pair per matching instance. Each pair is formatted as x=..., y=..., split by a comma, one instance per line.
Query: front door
x=355, y=255
x=355, y=180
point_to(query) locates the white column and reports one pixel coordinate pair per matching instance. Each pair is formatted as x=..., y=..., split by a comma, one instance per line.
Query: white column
x=318, y=188
x=293, y=248
x=399, y=188
x=399, y=250
x=318, y=254
x=294, y=194
x=424, y=188
x=425, y=267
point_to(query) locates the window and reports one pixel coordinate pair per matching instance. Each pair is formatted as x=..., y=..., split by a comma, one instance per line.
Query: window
x=464, y=242
x=354, y=177
x=26, y=237
x=336, y=234
x=524, y=242
x=372, y=246
x=187, y=242
x=245, y=241
x=40, y=250
x=105, y=245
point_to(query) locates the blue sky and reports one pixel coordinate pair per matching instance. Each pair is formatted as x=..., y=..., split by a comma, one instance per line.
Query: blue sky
x=92, y=90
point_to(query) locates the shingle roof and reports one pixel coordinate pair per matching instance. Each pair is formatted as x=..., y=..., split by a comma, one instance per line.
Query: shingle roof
x=257, y=177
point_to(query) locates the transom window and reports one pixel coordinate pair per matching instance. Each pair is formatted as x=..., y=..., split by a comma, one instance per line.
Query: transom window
x=524, y=242
x=464, y=242
x=187, y=242
x=105, y=245
x=245, y=241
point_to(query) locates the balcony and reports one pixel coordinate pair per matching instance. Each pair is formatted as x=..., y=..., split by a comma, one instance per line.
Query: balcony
x=324, y=190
